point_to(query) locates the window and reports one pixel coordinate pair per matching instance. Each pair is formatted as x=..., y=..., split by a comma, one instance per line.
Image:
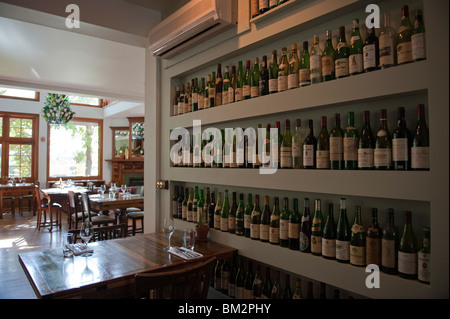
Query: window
x=19, y=94
x=85, y=100
x=75, y=150
x=18, y=145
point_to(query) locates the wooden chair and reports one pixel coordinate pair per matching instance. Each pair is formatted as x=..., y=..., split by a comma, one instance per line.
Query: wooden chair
x=29, y=199
x=189, y=282
x=93, y=217
x=76, y=212
x=44, y=207
x=12, y=208
x=135, y=216
x=104, y=232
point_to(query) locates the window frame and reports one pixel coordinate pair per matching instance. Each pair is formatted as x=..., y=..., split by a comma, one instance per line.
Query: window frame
x=6, y=141
x=37, y=97
x=100, y=153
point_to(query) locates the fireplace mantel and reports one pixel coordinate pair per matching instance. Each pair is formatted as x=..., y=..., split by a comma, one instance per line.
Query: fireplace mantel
x=121, y=168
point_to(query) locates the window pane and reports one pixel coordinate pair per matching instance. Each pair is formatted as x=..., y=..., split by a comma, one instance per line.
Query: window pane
x=74, y=149
x=27, y=94
x=19, y=160
x=1, y=127
x=84, y=100
x=1, y=152
x=21, y=128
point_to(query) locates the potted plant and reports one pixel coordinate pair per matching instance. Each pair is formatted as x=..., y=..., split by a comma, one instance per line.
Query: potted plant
x=201, y=229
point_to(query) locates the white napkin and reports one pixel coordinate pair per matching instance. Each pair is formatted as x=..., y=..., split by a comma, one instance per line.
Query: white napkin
x=184, y=253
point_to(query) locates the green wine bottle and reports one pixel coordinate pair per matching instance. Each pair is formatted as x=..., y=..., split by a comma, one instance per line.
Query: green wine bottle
x=176, y=194
x=343, y=235
x=212, y=90
x=232, y=214
x=404, y=45
x=329, y=235
x=315, y=62
x=286, y=147
x=407, y=251
x=305, y=229
x=257, y=283
x=273, y=73
x=265, y=221
x=206, y=94
x=337, y=144
x=387, y=41
x=240, y=280
x=323, y=146
x=267, y=285
x=358, y=240
x=283, y=71
x=274, y=226
x=366, y=144
x=420, y=149
x=254, y=89
x=356, y=50
x=419, y=51
x=351, y=139
x=305, y=72
x=401, y=140
x=239, y=93
x=218, y=99
x=248, y=215
x=297, y=145
x=371, y=51
x=264, y=77
x=284, y=223
x=317, y=230
x=226, y=86
x=389, y=245
x=309, y=147
x=328, y=57
x=232, y=87
x=256, y=220
x=190, y=205
x=383, y=145
x=248, y=283
x=373, y=241
x=342, y=55
x=423, y=257
x=224, y=213
x=294, y=67
x=247, y=85
x=239, y=227
x=294, y=227
x=195, y=204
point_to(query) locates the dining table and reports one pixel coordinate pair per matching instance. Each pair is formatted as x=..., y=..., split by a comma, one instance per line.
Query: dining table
x=104, y=203
x=109, y=272
x=60, y=195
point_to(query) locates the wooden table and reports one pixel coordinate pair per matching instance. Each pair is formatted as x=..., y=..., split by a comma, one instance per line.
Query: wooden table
x=15, y=190
x=109, y=272
x=61, y=195
x=106, y=204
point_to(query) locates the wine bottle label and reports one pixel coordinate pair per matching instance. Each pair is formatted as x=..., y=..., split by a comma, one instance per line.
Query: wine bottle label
x=239, y=226
x=423, y=269
x=218, y=98
x=358, y=255
x=184, y=212
x=308, y=155
x=399, y=149
x=239, y=94
x=373, y=251
x=212, y=92
x=404, y=52
x=323, y=158
x=382, y=157
x=247, y=221
x=248, y=294
x=304, y=241
x=234, y=160
x=194, y=98
x=282, y=82
x=273, y=85
x=225, y=98
x=386, y=44
x=273, y=3
x=293, y=81
x=420, y=157
x=388, y=253
x=264, y=232
x=175, y=109
x=355, y=63
x=297, y=149
x=365, y=157
x=294, y=230
x=254, y=231
x=418, y=46
x=342, y=250
x=230, y=95
x=174, y=208
x=327, y=65
x=224, y=283
x=304, y=75
x=341, y=67
x=296, y=296
x=286, y=157
x=223, y=224
x=284, y=229
x=316, y=244
x=231, y=289
x=336, y=148
x=201, y=98
x=239, y=292
x=369, y=54
x=180, y=108
x=358, y=229
x=329, y=247
x=231, y=222
x=247, y=90
x=194, y=216
x=407, y=263
x=350, y=149
x=254, y=91
x=263, y=4
x=274, y=235
x=206, y=102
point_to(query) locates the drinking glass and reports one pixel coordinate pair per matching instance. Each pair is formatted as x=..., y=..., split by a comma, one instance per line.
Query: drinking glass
x=86, y=233
x=168, y=229
x=189, y=238
x=67, y=244
x=124, y=189
x=102, y=190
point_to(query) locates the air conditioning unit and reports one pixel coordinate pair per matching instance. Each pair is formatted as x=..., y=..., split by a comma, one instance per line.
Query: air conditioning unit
x=192, y=23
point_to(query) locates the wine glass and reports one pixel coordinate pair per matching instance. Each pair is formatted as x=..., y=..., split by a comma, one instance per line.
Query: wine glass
x=102, y=190
x=124, y=189
x=168, y=229
x=86, y=233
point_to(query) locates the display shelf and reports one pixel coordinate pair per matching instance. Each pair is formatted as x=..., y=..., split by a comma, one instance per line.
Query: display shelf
x=395, y=81
x=277, y=10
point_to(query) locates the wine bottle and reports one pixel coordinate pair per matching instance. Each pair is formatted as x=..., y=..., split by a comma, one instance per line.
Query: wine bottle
x=389, y=245
x=420, y=153
x=419, y=51
x=305, y=229
x=224, y=213
x=404, y=45
x=304, y=71
x=276, y=287
x=195, y=95
x=315, y=62
x=274, y=226
x=232, y=214
x=256, y=159
x=423, y=257
x=337, y=144
x=218, y=211
x=248, y=215
x=358, y=240
x=175, y=201
x=355, y=58
x=240, y=280
x=254, y=89
x=256, y=220
x=257, y=283
x=263, y=6
x=210, y=206
x=187, y=99
x=185, y=204
x=407, y=251
x=284, y=223
x=371, y=51
x=212, y=90
x=239, y=92
x=294, y=66
x=329, y=235
x=190, y=205
x=195, y=205
x=180, y=203
x=343, y=235
x=201, y=213
x=267, y=285
x=383, y=144
x=297, y=145
x=323, y=146
x=286, y=147
x=232, y=278
x=247, y=84
x=373, y=241
x=283, y=71
x=254, y=8
x=206, y=93
x=181, y=100
x=248, y=283
x=201, y=94
x=309, y=147
x=232, y=87
x=276, y=155
x=273, y=73
x=401, y=140
x=317, y=230
x=298, y=289
x=175, y=101
x=264, y=77
x=294, y=227
x=366, y=144
x=310, y=294
x=239, y=227
x=328, y=56
x=226, y=86
x=265, y=221
x=387, y=43
x=342, y=55
x=287, y=293
x=351, y=139
x=217, y=276
x=273, y=4
x=224, y=276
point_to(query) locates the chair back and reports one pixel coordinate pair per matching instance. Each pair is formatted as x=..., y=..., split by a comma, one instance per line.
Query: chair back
x=37, y=193
x=190, y=282
x=72, y=201
x=86, y=209
x=104, y=232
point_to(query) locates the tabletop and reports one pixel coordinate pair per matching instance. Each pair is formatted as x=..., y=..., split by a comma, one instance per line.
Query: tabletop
x=64, y=191
x=109, y=272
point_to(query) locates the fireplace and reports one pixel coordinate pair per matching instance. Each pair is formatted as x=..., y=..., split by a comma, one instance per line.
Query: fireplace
x=128, y=172
x=133, y=179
